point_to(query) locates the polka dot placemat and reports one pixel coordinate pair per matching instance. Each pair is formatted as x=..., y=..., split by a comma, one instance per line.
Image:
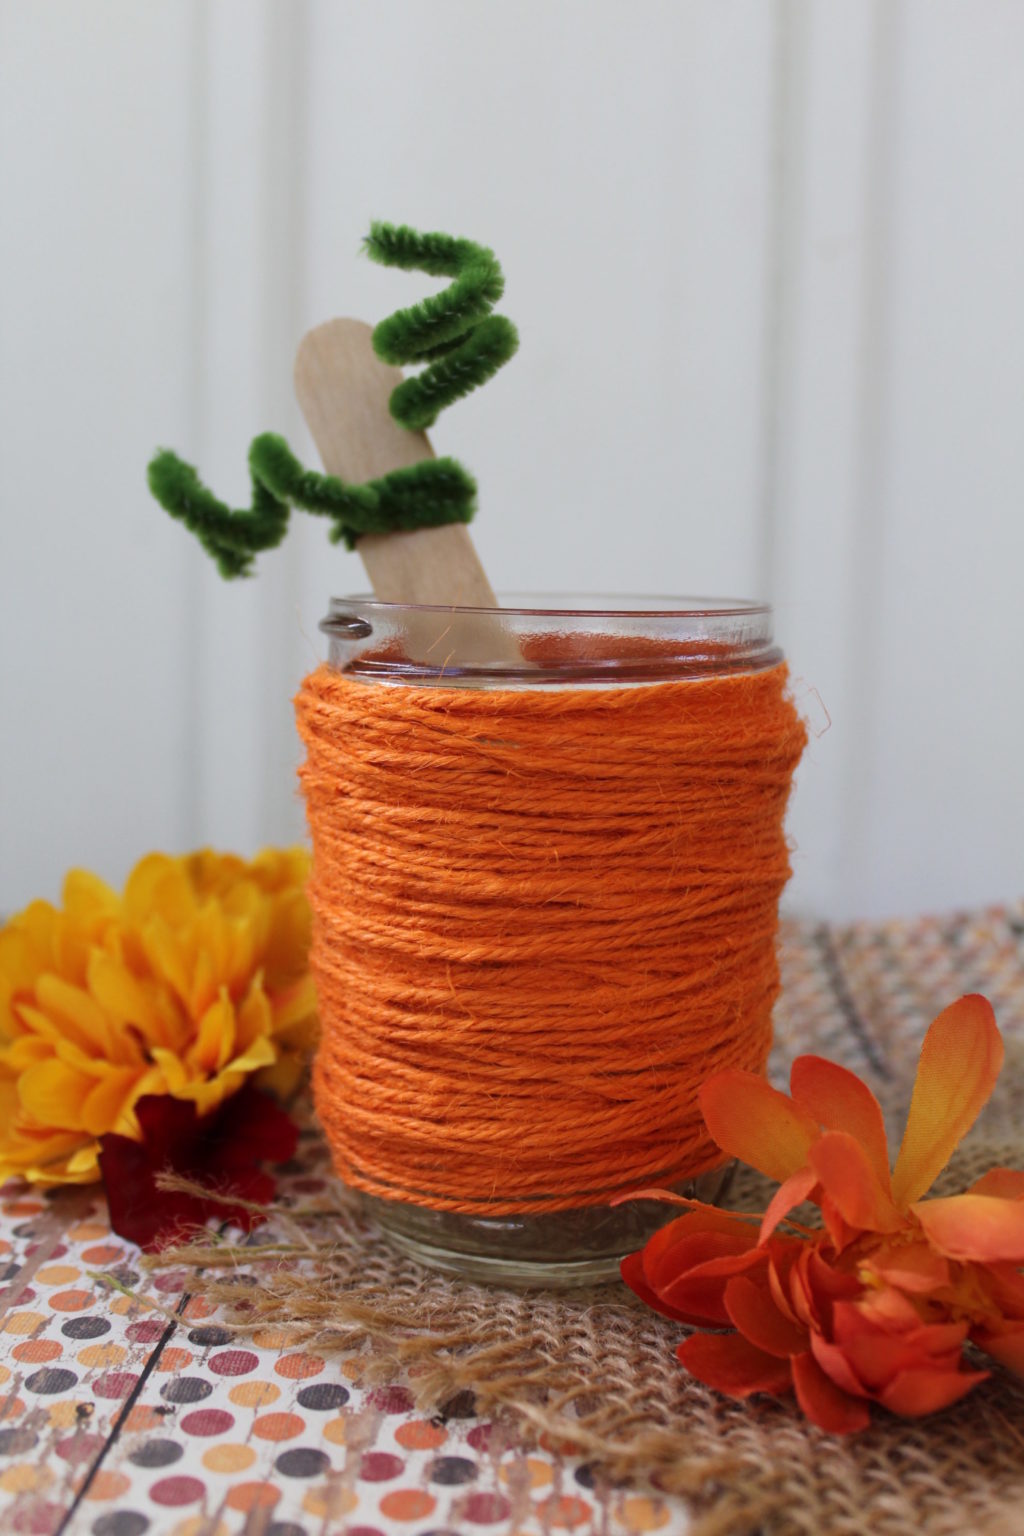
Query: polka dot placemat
x=115, y=1420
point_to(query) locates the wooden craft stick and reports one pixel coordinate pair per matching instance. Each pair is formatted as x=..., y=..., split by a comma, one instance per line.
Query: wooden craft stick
x=343, y=389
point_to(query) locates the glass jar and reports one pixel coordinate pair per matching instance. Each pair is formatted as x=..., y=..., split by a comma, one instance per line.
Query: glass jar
x=564, y=642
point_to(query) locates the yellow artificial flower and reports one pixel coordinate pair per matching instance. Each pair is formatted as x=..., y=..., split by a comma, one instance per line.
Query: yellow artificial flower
x=191, y=982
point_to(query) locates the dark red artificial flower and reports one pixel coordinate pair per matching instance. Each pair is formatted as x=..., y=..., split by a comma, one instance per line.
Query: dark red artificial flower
x=222, y=1151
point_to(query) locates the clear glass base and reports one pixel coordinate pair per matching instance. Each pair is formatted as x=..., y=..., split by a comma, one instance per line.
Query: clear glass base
x=556, y=1251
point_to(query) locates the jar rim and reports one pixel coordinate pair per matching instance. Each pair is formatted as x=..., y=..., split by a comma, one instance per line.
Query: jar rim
x=614, y=641
x=578, y=605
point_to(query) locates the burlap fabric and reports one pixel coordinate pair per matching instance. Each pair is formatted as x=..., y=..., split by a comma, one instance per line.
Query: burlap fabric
x=597, y=1369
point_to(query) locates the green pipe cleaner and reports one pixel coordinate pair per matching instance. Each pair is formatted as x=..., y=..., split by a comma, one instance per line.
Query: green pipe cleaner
x=462, y=343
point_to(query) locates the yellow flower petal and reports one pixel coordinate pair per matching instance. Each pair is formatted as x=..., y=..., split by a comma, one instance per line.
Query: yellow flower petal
x=26, y=1051
x=20, y=958
x=288, y=943
x=174, y=1071
x=104, y=1103
x=208, y=971
x=159, y=884
x=194, y=980
x=80, y=1016
x=153, y=1081
x=54, y=1094
x=57, y=1160
x=259, y=1054
x=87, y=898
x=121, y=995
x=165, y=958
x=283, y=1077
x=215, y=1041
x=83, y=1165
x=38, y=1025
x=254, y=1016
x=295, y=1008
x=204, y=1095
x=86, y=1062
x=40, y=924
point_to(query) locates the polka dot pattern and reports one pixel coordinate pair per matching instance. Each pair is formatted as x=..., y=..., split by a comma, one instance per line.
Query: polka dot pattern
x=157, y=1453
x=177, y=1490
x=218, y=1435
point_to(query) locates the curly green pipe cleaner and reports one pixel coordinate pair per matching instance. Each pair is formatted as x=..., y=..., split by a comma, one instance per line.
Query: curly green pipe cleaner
x=463, y=345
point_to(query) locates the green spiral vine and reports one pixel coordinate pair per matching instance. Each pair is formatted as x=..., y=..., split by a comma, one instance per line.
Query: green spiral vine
x=461, y=342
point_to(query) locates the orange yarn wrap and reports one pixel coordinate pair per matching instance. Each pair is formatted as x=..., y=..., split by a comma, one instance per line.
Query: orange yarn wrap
x=541, y=919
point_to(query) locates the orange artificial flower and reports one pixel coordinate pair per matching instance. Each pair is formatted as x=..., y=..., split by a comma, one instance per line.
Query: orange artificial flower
x=191, y=983
x=877, y=1304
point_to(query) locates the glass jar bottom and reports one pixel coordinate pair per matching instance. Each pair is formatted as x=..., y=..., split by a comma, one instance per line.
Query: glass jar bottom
x=556, y=1251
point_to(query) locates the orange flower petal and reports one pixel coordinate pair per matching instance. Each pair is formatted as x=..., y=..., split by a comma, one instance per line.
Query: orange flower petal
x=632, y=1271
x=790, y=1193
x=815, y=1289
x=694, y=1248
x=840, y=1101
x=915, y=1393
x=751, y=1309
x=667, y=1197
x=960, y=1061
x=847, y=1175
x=657, y=1264
x=840, y=1231
x=889, y=1311
x=834, y=1363
x=824, y=1403
x=878, y=1358
x=699, y=1293
x=753, y=1121
x=666, y=1256
x=729, y=1364
x=979, y=1227
x=915, y=1268
x=1004, y=1345
x=782, y=1257
x=1005, y=1283
x=1005, y=1183
x=677, y=1248
x=660, y=1266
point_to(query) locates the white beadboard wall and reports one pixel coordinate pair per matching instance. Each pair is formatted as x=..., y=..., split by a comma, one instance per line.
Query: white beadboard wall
x=766, y=259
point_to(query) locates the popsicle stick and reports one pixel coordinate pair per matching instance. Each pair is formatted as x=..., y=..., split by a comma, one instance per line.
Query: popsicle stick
x=343, y=389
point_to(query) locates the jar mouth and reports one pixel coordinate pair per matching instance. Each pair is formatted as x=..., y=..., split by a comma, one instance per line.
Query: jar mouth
x=577, y=604
x=545, y=640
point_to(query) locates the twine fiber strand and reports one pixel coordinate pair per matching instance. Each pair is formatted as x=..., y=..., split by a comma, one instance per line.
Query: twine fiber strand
x=541, y=919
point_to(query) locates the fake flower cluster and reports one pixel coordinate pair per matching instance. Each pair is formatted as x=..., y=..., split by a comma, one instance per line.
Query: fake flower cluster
x=877, y=1305
x=190, y=985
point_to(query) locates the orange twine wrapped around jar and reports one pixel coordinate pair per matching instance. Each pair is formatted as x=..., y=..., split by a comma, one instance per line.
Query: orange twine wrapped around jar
x=542, y=917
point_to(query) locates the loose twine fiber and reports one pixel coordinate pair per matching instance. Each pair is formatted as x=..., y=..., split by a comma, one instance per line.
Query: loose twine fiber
x=595, y=1369
x=541, y=918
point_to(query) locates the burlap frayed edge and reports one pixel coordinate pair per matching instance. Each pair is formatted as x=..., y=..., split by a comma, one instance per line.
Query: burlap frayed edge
x=596, y=1369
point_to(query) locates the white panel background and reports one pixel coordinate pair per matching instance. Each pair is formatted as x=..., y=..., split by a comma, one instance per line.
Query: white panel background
x=766, y=259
